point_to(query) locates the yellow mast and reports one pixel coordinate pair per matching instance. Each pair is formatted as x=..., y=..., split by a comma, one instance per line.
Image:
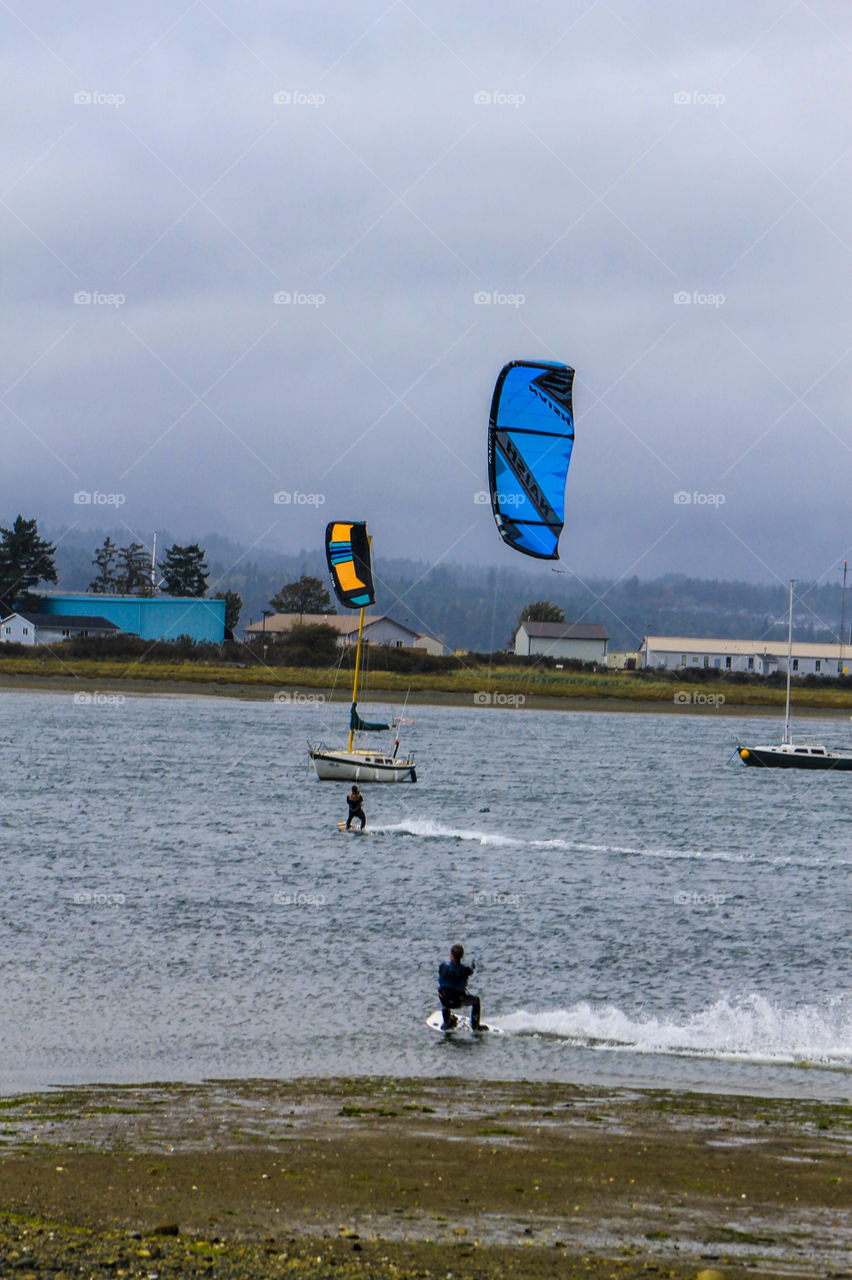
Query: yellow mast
x=357, y=669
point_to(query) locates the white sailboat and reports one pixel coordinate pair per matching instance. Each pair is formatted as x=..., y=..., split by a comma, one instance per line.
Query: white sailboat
x=788, y=754
x=348, y=554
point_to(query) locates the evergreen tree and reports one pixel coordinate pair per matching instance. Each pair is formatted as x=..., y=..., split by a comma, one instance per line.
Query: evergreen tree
x=133, y=577
x=25, y=560
x=104, y=561
x=233, y=609
x=184, y=571
x=308, y=595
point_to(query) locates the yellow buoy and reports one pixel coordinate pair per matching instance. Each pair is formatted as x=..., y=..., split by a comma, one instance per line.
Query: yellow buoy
x=744, y=753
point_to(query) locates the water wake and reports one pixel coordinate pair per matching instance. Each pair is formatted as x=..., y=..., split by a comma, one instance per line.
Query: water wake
x=427, y=829
x=749, y=1028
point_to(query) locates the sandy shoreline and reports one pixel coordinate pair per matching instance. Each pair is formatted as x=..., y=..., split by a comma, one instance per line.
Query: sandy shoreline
x=405, y=1177
x=142, y=687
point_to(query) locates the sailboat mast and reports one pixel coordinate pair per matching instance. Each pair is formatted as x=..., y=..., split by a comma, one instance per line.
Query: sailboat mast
x=357, y=669
x=789, y=662
x=842, y=618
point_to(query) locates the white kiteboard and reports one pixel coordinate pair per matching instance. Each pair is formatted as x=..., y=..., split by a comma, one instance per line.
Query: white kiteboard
x=435, y=1022
x=359, y=830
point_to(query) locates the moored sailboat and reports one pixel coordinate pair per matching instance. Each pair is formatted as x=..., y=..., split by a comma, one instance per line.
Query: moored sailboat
x=348, y=556
x=788, y=754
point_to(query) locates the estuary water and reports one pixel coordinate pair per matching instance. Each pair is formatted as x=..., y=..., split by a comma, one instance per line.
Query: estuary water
x=179, y=904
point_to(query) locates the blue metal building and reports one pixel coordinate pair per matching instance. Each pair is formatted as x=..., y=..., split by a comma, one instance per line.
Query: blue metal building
x=152, y=618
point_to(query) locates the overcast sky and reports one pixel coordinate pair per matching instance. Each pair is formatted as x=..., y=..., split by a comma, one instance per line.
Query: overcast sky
x=578, y=164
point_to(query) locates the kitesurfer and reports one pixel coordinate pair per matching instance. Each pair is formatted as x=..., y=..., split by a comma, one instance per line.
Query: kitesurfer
x=356, y=807
x=453, y=993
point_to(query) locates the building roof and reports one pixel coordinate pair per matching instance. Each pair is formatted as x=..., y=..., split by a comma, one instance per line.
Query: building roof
x=565, y=630
x=344, y=623
x=763, y=648
x=64, y=620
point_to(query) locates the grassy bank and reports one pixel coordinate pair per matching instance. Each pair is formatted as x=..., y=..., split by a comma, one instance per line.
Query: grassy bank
x=421, y=1178
x=476, y=685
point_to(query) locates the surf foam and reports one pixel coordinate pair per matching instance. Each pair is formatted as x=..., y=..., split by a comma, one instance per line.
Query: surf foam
x=749, y=1028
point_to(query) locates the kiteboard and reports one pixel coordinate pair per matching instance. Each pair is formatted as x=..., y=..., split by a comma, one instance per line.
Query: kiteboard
x=341, y=826
x=435, y=1023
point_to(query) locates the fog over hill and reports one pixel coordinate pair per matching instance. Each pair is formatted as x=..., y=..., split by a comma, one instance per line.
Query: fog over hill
x=472, y=607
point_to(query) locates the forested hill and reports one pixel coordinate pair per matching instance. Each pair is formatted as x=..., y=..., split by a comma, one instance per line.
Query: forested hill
x=477, y=608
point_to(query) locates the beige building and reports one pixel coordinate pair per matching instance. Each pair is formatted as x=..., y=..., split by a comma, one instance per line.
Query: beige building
x=378, y=628
x=763, y=657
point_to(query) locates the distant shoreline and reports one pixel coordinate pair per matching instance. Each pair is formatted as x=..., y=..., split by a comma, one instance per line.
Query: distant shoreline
x=159, y=686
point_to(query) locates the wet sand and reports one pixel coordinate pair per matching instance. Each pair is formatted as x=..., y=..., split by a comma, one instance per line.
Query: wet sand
x=421, y=1178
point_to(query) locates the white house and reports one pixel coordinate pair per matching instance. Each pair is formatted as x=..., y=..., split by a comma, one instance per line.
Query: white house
x=378, y=628
x=583, y=641
x=52, y=628
x=762, y=657
x=430, y=644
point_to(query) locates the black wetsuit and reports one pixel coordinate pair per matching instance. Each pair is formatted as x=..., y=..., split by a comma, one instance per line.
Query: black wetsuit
x=356, y=810
x=452, y=992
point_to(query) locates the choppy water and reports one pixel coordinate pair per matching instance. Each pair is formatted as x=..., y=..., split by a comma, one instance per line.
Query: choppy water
x=178, y=902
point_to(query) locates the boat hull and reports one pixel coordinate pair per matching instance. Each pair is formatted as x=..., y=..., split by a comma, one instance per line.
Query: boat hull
x=361, y=766
x=778, y=758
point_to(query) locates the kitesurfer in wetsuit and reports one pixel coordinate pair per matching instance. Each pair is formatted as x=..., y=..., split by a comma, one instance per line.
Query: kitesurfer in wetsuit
x=356, y=807
x=453, y=993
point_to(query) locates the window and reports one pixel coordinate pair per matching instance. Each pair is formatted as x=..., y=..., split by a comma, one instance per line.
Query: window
x=727, y=664
x=818, y=665
x=683, y=659
x=795, y=664
x=695, y=659
x=8, y=631
x=717, y=662
x=26, y=631
x=707, y=662
x=751, y=664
